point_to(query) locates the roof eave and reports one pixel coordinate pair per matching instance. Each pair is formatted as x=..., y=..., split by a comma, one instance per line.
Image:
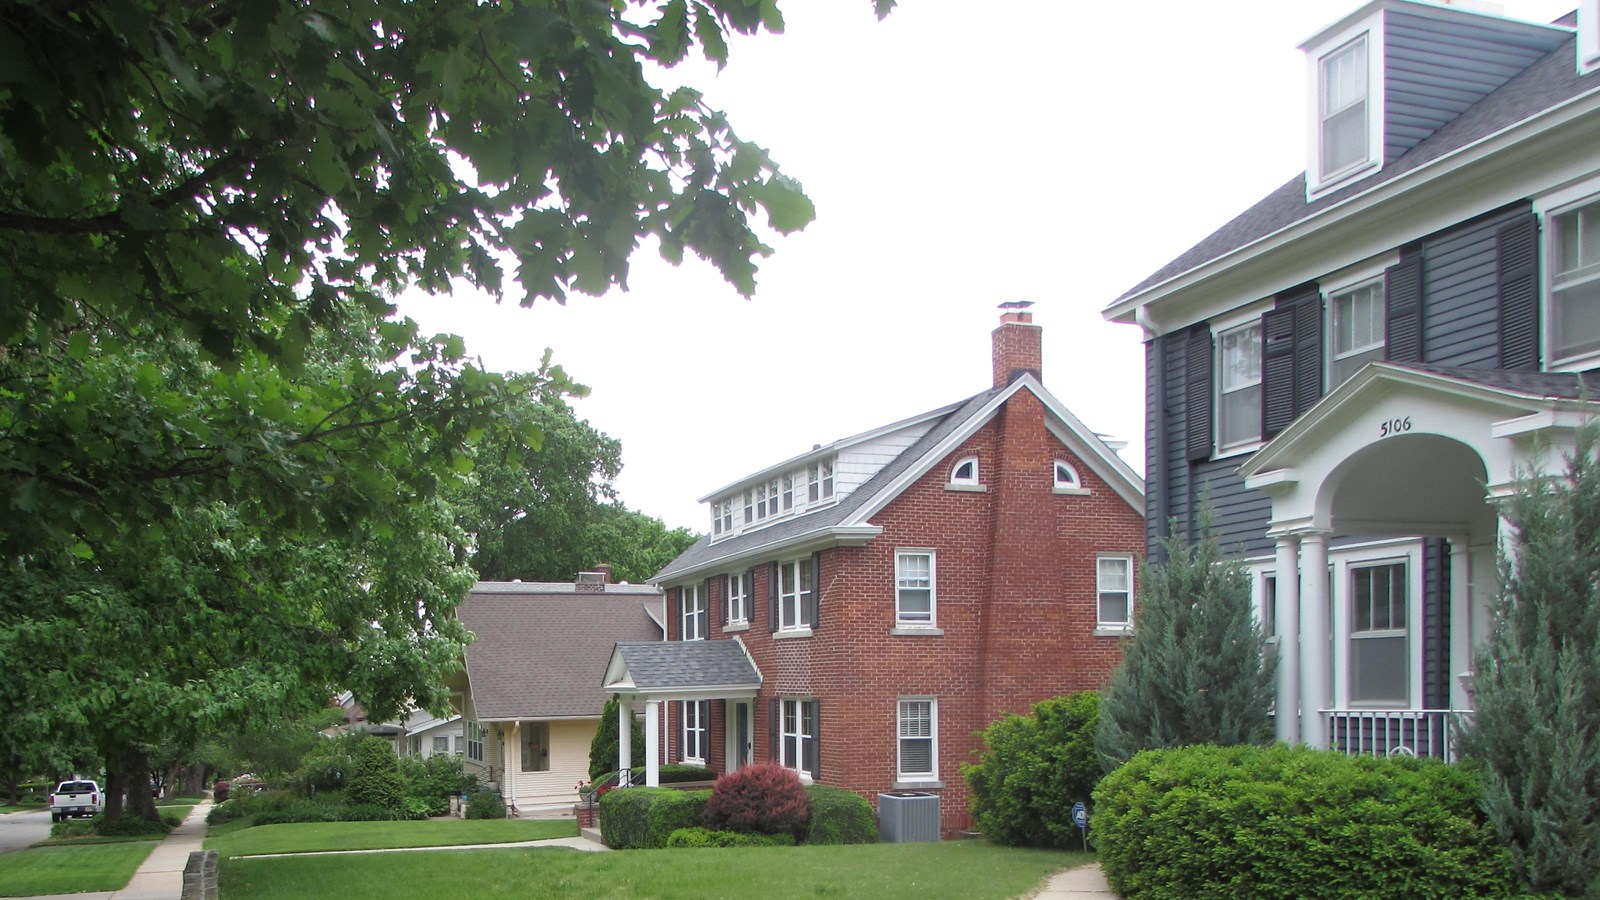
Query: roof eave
x=806, y=542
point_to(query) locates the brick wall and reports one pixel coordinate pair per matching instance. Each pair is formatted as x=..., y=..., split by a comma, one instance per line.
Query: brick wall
x=1015, y=600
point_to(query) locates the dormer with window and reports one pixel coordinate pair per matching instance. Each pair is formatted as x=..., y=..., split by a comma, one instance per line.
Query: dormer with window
x=1393, y=72
x=1588, y=36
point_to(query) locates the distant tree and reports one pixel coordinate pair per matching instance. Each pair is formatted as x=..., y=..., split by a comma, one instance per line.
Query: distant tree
x=636, y=545
x=1195, y=670
x=1536, y=684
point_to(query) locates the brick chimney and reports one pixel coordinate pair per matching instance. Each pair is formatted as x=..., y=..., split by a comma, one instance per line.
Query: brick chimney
x=1018, y=344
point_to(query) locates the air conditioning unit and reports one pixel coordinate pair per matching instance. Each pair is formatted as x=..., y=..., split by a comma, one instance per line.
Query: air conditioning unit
x=908, y=816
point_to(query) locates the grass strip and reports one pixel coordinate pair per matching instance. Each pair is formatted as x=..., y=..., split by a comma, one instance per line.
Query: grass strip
x=967, y=869
x=71, y=870
x=315, y=836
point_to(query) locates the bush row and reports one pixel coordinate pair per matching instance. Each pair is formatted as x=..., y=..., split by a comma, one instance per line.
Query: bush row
x=127, y=826
x=639, y=818
x=705, y=837
x=1295, y=822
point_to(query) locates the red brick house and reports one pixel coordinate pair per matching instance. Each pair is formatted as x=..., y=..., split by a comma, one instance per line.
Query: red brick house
x=859, y=611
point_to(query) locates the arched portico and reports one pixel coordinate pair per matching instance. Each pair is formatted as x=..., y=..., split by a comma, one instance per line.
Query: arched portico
x=1375, y=651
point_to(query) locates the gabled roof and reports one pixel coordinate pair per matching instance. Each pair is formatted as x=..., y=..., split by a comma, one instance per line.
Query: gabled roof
x=540, y=649
x=1542, y=87
x=849, y=519
x=681, y=669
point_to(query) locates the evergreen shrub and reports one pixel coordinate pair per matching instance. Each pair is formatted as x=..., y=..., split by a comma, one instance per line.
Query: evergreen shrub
x=1277, y=821
x=839, y=816
x=375, y=775
x=603, y=749
x=643, y=818
x=486, y=805
x=765, y=798
x=1033, y=768
x=705, y=837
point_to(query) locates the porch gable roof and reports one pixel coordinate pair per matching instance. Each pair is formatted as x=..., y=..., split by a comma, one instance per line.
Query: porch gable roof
x=682, y=670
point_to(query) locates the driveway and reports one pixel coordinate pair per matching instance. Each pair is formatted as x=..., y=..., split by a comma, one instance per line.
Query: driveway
x=18, y=830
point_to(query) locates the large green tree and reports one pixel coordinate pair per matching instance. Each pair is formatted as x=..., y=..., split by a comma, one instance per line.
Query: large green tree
x=222, y=463
x=1195, y=670
x=1537, y=680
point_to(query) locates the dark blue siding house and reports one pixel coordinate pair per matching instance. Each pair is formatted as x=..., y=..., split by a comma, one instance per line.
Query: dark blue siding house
x=1352, y=371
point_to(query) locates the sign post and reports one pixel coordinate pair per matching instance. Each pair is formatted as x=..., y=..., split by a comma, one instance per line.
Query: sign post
x=1080, y=818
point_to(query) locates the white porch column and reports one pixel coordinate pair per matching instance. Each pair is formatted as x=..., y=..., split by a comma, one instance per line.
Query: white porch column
x=1286, y=613
x=624, y=738
x=652, y=743
x=1314, y=682
x=1460, y=620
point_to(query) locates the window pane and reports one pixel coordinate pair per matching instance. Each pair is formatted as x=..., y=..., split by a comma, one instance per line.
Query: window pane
x=1114, y=608
x=1113, y=574
x=1241, y=357
x=1344, y=139
x=916, y=718
x=916, y=605
x=916, y=756
x=1239, y=417
x=1575, y=283
x=1378, y=669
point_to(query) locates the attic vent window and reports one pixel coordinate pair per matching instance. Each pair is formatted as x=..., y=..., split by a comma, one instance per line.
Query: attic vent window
x=1066, y=479
x=965, y=471
x=1342, y=108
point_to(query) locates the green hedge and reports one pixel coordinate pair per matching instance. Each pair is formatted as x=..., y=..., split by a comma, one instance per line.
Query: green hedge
x=705, y=837
x=1294, y=822
x=636, y=818
x=839, y=816
x=1032, y=769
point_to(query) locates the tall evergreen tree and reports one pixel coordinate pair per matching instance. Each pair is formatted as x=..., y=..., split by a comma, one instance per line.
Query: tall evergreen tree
x=1537, y=682
x=1194, y=671
x=603, y=749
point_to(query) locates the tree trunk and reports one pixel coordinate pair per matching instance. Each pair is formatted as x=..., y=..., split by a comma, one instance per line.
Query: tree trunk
x=115, y=781
x=137, y=770
x=14, y=789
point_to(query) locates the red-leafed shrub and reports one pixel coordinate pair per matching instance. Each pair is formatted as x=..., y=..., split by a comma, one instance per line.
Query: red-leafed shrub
x=764, y=798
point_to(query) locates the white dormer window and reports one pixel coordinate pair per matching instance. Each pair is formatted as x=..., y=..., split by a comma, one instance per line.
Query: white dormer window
x=820, y=485
x=1342, y=109
x=965, y=471
x=716, y=518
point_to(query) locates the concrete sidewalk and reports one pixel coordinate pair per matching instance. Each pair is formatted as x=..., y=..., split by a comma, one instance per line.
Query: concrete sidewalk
x=1083, y=883
x=160, y=876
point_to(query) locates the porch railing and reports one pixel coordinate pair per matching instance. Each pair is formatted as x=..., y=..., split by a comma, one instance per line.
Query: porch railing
x=1394, y=732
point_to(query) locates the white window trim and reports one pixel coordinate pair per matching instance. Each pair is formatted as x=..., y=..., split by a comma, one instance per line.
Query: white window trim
x=1588, y=36
x=744, y=602
x=686, y=614
x=1218, y=451
x=1219, y=325
x=797, y=765
x=1548, y=206
x=800, y=628
x=957, y=483
x=1372, y=27
x=1102, y=628
x=1075, y=488
x=901, y=775
x=933, y=589
x=1330, y=352
x=1344, y=619
x=702, y=717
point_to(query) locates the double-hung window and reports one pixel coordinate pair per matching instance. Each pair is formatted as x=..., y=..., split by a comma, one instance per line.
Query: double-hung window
x=1379, y=657
x=441, y=745
x=535, y=746
x=696, y=725
x=1342, y=109
x=820, y=477
x=694, y=613
x=738, y=599
x=1239, y=387
x=1114, y=590
x=749, y=507
x=1358, y=329
x=1574, y=240
x=795, y=589
x=797, y=745
x=788, y=491
x=914, y=588
x=475, y=733
x=918, y=739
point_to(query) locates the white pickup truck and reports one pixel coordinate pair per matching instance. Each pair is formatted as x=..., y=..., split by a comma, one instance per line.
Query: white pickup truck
x=75, y=798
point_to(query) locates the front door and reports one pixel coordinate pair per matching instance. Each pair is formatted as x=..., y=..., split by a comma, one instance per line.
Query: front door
x=739, y=735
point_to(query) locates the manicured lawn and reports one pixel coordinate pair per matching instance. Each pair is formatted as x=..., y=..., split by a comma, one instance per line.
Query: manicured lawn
x=313, y=836
x=67, y=870
x=967, y=869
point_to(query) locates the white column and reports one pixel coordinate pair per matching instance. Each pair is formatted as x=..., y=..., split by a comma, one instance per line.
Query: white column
x=1314, y=681
x=652, y=743
x=1286, y=613
x=1460, y=620
x=624, y=737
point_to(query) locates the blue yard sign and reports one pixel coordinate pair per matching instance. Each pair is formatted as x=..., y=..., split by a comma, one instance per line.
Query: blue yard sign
x=1080, y=818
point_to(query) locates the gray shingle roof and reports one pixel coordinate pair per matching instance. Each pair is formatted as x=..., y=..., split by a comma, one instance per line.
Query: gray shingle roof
x=1543, y=85
x=704, y=552
x=1548, y=385
x=541, y=649
x=670, y=665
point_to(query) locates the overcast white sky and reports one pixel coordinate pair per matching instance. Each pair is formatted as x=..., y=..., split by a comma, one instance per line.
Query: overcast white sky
x=960, y=154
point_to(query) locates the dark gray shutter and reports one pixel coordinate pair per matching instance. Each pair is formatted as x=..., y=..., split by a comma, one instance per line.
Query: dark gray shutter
x=1197, y=394
x=772, y=729
x=1277, y=370
x=722, y=603
x=1307, y=350
x=814, y=598
x=772, y=596
x=705, y=609
x=675, y=612
x=1517, y=282
x=814, y=764
x=1402, y=294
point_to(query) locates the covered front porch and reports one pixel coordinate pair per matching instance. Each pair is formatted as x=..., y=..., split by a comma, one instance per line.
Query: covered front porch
x=655, y=675
x=1384, y=517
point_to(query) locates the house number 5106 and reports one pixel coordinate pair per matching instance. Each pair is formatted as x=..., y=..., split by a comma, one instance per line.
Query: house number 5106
x=1394, y=426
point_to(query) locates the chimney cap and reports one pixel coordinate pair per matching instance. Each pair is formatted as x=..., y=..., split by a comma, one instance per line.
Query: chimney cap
x=1015, y=304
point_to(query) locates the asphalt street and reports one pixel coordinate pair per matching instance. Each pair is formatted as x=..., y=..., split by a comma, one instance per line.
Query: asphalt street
x=18, y=830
